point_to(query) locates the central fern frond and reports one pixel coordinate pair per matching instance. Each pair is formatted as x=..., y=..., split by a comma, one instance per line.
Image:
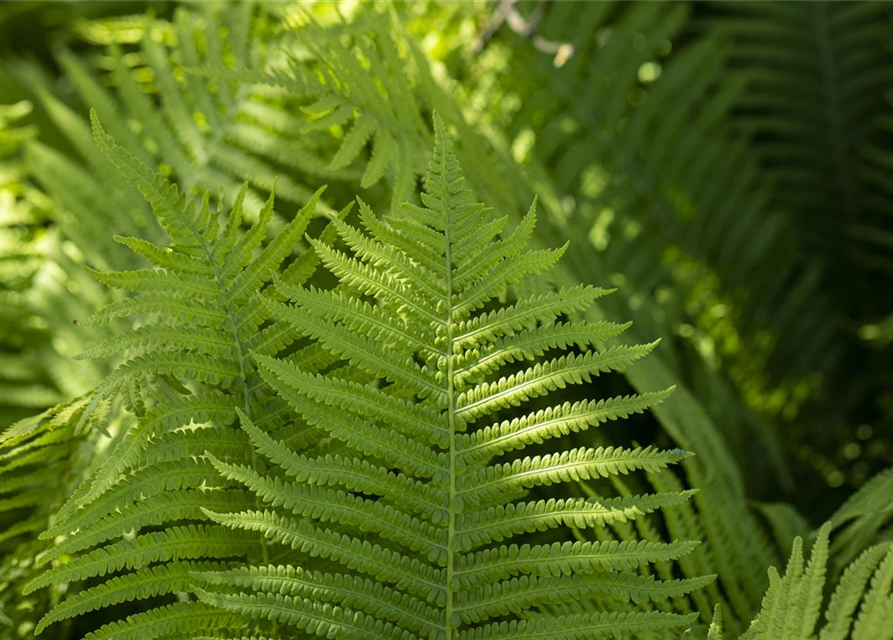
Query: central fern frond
x=405, y=528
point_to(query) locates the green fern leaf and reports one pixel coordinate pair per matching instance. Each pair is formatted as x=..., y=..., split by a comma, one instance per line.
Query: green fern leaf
x=413, y=524
x=143, y=509
x=859, y=607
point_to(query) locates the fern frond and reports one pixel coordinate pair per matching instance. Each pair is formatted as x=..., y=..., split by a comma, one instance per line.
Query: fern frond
x=207, y=132
x=38, y=455
x=848, y=594
x=419, y=522
x=844, y=74
x=144, y=507
x=859, y=606
x=360, y=90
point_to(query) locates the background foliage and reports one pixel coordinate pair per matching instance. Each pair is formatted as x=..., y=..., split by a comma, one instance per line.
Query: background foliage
x=726, y=166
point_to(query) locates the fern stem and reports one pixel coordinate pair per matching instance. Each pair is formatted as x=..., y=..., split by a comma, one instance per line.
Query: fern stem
x=451, y=407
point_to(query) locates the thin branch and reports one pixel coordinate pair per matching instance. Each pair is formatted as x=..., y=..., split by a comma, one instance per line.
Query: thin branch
x=507, y=14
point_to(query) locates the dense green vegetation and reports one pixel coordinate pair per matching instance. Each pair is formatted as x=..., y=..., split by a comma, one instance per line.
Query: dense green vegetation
x=446, y=320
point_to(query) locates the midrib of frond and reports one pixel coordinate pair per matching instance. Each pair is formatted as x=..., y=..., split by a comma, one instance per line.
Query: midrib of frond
x=451, y=397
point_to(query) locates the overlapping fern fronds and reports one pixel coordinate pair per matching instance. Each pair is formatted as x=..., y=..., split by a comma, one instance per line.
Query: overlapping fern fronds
x=356, y=80
x=673, y=237
x=35, y=278
x=186, y=369
x=23, y=387
x=812, y=140
x=817, y=116
x=417, y=518
x=859, y=608
x=39, y=461
x=686, y=418
x=845, y=591
x=370, y=459
x=641, y=184
x=40, y=455
x=203, y=133
x=651, y=180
